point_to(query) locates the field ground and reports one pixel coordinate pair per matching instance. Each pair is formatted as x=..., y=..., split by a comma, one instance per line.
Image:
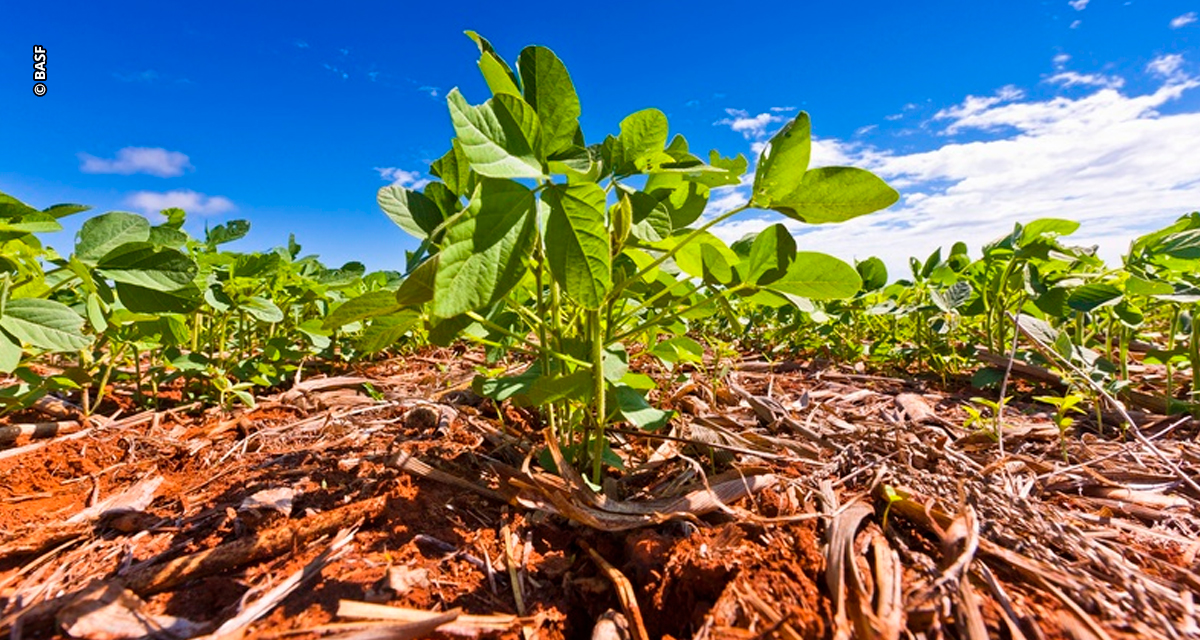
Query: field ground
x=826, y=504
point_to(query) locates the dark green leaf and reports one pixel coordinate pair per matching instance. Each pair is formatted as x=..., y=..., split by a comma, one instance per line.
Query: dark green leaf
x=44, y=324
x=228, y=232
x=548, y=89
x=368, y=305
x=417, y=288
x=770, y=255
x=1092, y=296
x=106, y=232
x=577, y=242
x=480, y=261
x=410, y=210
x=873, y=273
x=144, y=265
x=630, y=405
x=143, y=300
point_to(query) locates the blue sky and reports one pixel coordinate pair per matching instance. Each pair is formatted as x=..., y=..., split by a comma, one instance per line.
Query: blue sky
x=981, y=114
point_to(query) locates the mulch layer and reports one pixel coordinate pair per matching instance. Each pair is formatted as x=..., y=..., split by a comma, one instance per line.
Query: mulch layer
x=786, y=501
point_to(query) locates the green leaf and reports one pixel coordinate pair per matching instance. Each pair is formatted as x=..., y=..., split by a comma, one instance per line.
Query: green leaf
x=1046, y=229
x=368, y=305
x=386, y=331
x=651, y=219
x=106, y=232
x=1136, y=286
x=1093, y=296
x=144, y=300
x=685, y=200
x=1184, y=245
x=500, y=138
x=64, y=210
x=678, y=349
x=144, y=265
x=691, y=256
x=10, y=353
x=454, y=169
x=417, y=288
x=783, y=162
x=410, y=210
x=873, y=273
x=548, y=89
x=818, y=276
x=715, y=264
x=631, y=405
x=32, y=223
x=228, y=232
x=834, y=194
x=480, y=260
x=955, y=296
x=164, y=236
x=770, y=255
x=496, y=72
x=503, y=388
x=577, y=242
x=643, y=137
x=44, y=324
x=10, y=207
x=262, y=309
x=95, y=313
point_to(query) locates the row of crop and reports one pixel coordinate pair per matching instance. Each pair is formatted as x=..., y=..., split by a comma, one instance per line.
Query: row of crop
x=148, y=304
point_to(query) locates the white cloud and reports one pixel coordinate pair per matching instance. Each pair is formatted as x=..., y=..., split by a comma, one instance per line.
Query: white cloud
x=186, y=199
x=1079, y=5
x=1111, y=161
x=975, y=105
x=1061, y=61
x=1073, y=79
x=1184, y=20
x=783, y=109
x=150, y=160
x=1167, y=67
x=432, y=92
x=1075, y=24
x=406, y=179
x=752, y=127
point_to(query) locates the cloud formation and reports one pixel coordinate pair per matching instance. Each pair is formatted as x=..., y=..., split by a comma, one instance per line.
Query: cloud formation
x=752, y=127
x=406, y=179
x=154, y=161
x=1074, y=79
x=186, y=199
x=1112, y=161
x=1184, y=20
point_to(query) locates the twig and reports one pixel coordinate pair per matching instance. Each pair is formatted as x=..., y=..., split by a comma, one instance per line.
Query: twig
x=625, y=592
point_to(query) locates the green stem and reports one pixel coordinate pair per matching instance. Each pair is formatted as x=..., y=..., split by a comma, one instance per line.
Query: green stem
x=679, y=245
x=533, y=346
x=598, y=391
x=671, y=315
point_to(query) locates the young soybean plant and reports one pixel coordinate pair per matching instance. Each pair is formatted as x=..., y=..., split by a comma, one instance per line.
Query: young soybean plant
x=535, y=241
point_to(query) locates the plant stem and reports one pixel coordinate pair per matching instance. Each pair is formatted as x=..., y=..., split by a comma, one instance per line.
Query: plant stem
x=679, y=245
x=598, y=391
